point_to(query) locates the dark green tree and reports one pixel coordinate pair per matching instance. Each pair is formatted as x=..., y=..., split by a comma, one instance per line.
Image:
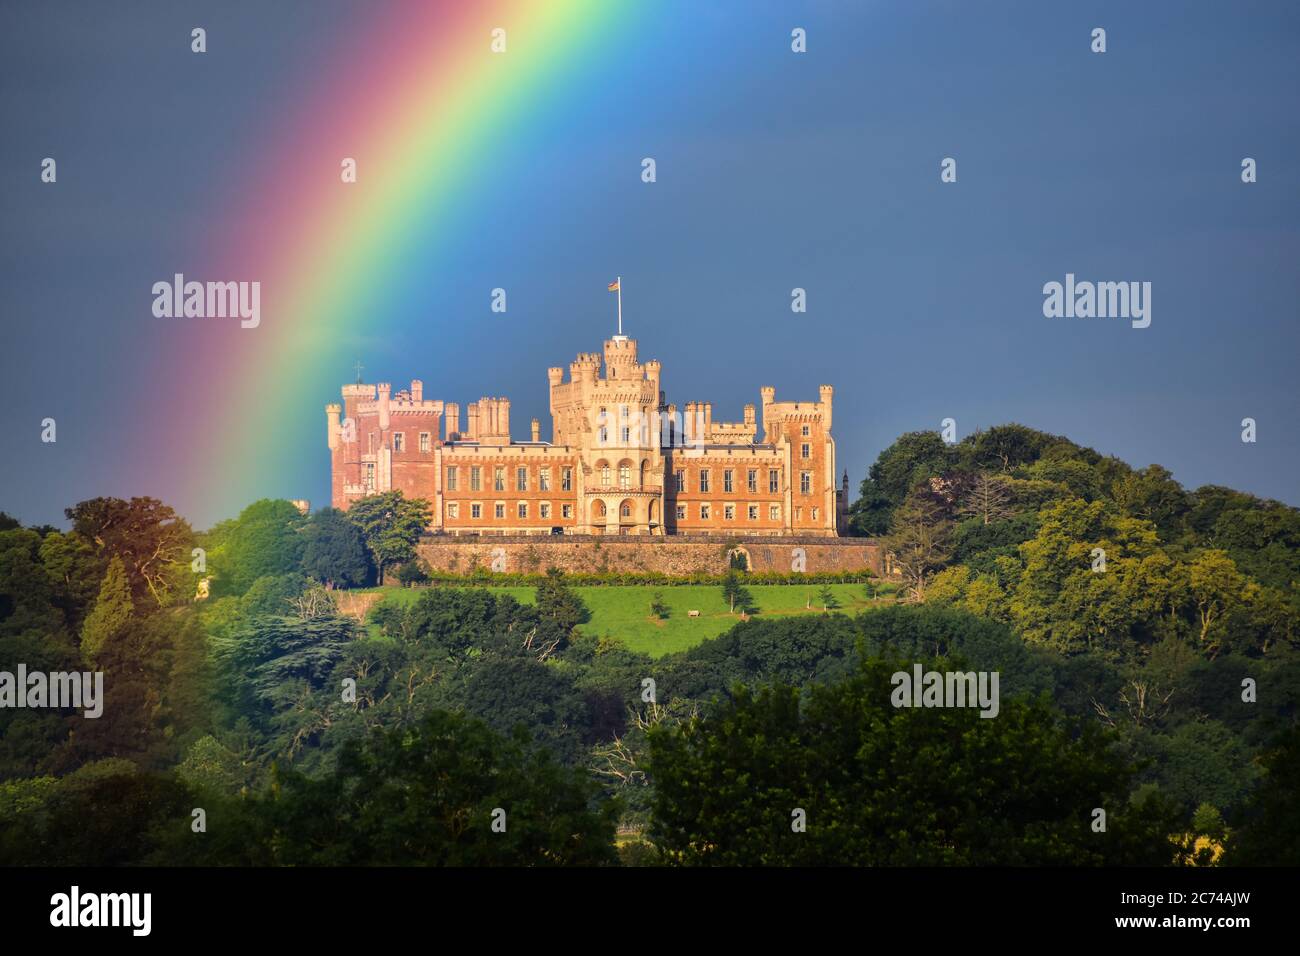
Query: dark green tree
x=265, y=540
x=334, y=550
x=391, y=524
x=429, y=795
x=879, y=785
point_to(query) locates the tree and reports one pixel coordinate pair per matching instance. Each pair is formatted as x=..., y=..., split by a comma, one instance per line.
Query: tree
x=111, y=615
x=988, y=498
x=559, y=603
x=391, y=524
x=885, y=786
x=411, y=573
x=266, y=539
x=1217, y=587
x=430, y=795
x=151, y=539
x=920, y=541
x=914, y=457
x=658, y=607
x=828, y=599
x=1270, y=834
x=736, y=594
x=76, y=572
x=334, y=550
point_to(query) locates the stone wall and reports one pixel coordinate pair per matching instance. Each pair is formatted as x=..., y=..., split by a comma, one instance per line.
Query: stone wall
x=630, y=553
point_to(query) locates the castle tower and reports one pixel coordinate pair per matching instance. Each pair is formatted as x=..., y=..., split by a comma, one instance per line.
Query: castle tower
x=613, y=421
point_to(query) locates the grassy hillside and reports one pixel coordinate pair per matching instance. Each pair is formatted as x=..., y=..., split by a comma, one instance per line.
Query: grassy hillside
x=623, y=612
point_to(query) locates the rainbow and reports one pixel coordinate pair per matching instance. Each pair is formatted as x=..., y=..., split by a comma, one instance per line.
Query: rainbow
x=419, y=99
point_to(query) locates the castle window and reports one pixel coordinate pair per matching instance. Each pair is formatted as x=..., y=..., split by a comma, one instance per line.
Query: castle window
x=370, y=476
x=626, y=510
x=753, y=512
x=500, y=510
x=681, y=512
x=773, y=481
x=704, y=480
x=399, y=441
x=625, y=475
x=604, y=434
x=805, y=482
x=451, y=478
x=476, y=510
x=424, y=441
x=805, y=450
x=566, y=479
x=566, y=511
x=523, y=510
x=752, y=477
x=727, y=483
x=622, y=411
x=521, y=479
x=814, y=514
x=680, y=474
x=704, y=512
x=545, y=509
x=499, y=479
x=475, y=478
x=544, y=479
x=453, y=510
x=729, y=512
x=773, y=512
x=605, y=475
x=806, y=431
x=627, y=435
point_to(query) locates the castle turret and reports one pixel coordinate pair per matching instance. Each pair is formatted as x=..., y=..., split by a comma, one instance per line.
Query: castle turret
x=827, y=392
x=768, y=394
x=332, y=413
x=385, y=391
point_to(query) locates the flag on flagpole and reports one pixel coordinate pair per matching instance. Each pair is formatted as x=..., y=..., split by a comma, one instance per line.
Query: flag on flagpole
x=613, y=286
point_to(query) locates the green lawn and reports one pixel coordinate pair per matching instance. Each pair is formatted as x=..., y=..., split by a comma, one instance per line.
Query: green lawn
x=623, y=612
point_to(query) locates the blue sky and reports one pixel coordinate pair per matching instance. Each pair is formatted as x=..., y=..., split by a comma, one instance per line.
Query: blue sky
x=775, y=171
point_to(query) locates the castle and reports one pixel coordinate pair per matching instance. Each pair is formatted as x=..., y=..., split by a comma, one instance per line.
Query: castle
x=620, y=461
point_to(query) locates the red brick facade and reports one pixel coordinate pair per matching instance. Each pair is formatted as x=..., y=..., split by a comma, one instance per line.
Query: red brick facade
x=620, y=460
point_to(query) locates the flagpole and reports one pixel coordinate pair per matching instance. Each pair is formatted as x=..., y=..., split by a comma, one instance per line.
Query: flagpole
x=620, y=305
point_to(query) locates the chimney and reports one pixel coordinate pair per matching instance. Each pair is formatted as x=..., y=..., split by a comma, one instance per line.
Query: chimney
x=417, y=390
x=472, y=413
x=537, y=430
x=453, y=421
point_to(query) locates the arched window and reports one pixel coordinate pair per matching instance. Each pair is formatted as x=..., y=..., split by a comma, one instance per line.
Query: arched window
x=626, y=510
x=604, y=473
x=625, y=475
